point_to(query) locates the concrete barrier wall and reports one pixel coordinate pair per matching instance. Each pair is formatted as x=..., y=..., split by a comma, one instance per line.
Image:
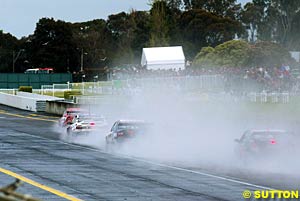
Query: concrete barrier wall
x=37, y=96
x=20, y=102
x=58, y=107
x=26, y=101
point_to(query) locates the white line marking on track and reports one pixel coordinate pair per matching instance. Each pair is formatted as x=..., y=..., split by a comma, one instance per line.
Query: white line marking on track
x=158, y=164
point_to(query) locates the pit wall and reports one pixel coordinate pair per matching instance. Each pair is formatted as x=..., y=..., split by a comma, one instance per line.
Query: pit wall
x=37, y=96
x=25, y=101
x=58, y=107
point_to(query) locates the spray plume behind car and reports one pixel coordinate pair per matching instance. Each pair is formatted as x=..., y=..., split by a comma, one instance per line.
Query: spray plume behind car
x=198, y=133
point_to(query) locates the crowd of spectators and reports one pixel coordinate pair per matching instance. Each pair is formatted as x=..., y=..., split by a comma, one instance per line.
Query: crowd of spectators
x=264, y=78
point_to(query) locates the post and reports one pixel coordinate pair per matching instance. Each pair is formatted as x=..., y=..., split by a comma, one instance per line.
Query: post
x=82, y=83
x=81, y=59
x=15, y=58
x=95, y=78
x=13, y=61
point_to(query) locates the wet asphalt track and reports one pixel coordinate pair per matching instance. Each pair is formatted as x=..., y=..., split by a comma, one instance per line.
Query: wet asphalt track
x=31, y=148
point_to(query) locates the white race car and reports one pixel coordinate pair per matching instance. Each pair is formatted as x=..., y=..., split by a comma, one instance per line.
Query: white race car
x=83, y=125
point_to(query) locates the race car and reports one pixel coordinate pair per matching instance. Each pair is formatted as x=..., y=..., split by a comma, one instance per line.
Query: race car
x=262, y=144
x=82, y=125
x=69, y=115
x=123, y=130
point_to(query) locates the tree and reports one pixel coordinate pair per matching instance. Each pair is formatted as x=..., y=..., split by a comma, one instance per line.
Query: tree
x=251, y=16
x=159, y=24
x=187, y=4
x=141, y=33
x=205, y=57
x=121, y=26
x=287, y=11
x=201, y=28
x=93, y=38
x=52, y=45
x=268, y=54
x=175, y=4
x=8, y=44
x=267, y=27
x=232, y=53
x=272, y=20
x=294, y=34
x=227, y=8
x=238, y=53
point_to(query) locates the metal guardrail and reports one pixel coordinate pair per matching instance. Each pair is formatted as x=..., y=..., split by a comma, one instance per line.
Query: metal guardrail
x=89, y=100
x=9, y=91
x=126, y=86
x=254, y=97
x=272, y=97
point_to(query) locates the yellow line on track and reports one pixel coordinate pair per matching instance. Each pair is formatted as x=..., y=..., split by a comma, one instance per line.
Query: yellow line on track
x=26, y=117
x=39, y=115
x=41, y=186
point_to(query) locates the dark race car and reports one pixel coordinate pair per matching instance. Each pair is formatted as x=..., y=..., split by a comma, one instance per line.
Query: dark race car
x=265, y=144
x=123, y=130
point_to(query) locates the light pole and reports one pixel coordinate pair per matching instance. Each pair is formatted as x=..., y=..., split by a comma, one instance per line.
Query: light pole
x=81, y=59
x=82, y=83
x=95, y=78
x=15, y=58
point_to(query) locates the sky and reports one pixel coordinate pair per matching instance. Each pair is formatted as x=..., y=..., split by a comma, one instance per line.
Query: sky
x=19, y=17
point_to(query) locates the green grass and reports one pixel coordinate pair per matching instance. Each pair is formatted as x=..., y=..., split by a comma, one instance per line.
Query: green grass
x=7, y=91
x=59, y=94
x=88, y=85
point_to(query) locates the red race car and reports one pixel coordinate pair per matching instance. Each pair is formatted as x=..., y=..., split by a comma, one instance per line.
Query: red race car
x=69, y=115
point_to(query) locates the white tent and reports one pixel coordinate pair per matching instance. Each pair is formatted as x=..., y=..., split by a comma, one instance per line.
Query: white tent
x=163, y=58
x=295, y=55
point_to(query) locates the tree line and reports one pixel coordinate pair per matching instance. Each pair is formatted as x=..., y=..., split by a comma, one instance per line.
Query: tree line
x=118, y=40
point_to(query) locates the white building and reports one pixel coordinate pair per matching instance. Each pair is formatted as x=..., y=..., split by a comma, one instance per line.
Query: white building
x=163, y=58
x=295, y=55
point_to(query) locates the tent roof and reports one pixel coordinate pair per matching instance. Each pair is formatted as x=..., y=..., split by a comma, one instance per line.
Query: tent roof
x=163, y=55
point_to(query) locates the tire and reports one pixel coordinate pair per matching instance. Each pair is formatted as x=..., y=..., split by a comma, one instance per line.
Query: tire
x=106, y=140
x=107, y=147
x=110, y=143
x=69, y=137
